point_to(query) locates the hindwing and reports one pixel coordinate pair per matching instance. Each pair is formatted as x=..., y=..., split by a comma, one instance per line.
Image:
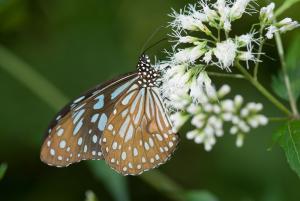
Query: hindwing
x=138, y=134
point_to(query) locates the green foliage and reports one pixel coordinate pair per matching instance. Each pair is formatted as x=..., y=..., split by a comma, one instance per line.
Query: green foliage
x=3, y=168
x=288, y=138
x=200, y=196
x=293, y=70
x=115, y=183
x=291, y=1
x=90, y=196
x=14, y=14
x=286, y=5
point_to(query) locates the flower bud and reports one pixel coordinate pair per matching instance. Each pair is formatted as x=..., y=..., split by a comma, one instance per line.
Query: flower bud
x=267, y=13
x=239, y=140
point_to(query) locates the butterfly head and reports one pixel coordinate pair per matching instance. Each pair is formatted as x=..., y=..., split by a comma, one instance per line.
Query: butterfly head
x=147, y=74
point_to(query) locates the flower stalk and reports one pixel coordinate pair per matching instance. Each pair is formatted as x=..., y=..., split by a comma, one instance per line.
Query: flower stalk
x=262, y=89
x=286, y=78
x=261, y=44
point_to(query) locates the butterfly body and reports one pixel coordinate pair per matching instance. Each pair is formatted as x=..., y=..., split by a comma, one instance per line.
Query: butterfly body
x=123, y=121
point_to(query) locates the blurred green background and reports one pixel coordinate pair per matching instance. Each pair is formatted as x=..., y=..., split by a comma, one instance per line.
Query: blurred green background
x=77, y=44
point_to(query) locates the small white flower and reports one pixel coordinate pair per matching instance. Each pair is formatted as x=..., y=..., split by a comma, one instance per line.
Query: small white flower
x=267, y=13
x=223, y=91
x=192, y=11
x=246, y=56
x=271, y=30
x=239, y=140
x=233, y=130
x=188, y=39
x=193, y=109
x=247, y=40
x=253, y=122
x=196, y=53
x=209, y=142
x=262, y=120
x=192, y=134
x=186, y=22
x=208, y=56
x=189, y=55
x=182, y=56
x=178, y=120
x=238, y=9
x=198, y=121
x=285, y=21
x=204, y=81
x=227, y=25
x=238, y=101
x=289, y=26
x=210, y=14
x=224, y=12
x=226, y=53
x=199, y=138
x=227, y=105
x=196, y=91
x=221, y=6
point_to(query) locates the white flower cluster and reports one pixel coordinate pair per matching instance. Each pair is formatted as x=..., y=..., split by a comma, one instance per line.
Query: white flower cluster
x=209, y=116
x=204, y=31
x=267, y=18
x=210, y=19
x=203, y=38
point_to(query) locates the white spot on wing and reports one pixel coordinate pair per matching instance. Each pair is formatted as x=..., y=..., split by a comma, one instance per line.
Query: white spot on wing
x=102, y=122
x=95, y=138
x=62, y=144
x=79, y=99
x=123, y=156
x=124, y=127
x=79, y=142
x=129, y=133
x=60, y=132
x=120, y=89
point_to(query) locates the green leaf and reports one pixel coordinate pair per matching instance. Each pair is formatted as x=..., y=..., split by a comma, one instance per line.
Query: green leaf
x=200, y=196
x=288, y=138
x=3, y=168
x=115, y=183
x=90, y=196
x=285, y=6
x=293, y=70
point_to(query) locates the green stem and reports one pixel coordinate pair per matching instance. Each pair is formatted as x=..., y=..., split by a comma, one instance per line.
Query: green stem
x=226, y=75
x=213, y=37
x=286, y=5
x=47, y=92
x=261, y=44
x=277, y=119
x=162, y=183
x=286, y=78
x=262, y=90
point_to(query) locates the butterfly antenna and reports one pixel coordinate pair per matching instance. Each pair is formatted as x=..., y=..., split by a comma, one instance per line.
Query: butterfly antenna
x=143, y=50
x=153, y=45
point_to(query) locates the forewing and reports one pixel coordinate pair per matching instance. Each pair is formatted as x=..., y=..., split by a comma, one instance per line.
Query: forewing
x=139, y=135
x=75, y=133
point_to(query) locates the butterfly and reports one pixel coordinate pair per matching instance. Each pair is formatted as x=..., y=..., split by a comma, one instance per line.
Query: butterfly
x=123, y=121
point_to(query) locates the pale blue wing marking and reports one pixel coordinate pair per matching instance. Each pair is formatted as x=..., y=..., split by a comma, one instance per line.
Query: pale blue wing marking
x=121, y=88
x=102, y=122
x=100, y=102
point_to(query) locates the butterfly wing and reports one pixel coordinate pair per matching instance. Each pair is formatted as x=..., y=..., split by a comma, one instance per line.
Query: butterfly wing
x=138, y=135
x=75, y=133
